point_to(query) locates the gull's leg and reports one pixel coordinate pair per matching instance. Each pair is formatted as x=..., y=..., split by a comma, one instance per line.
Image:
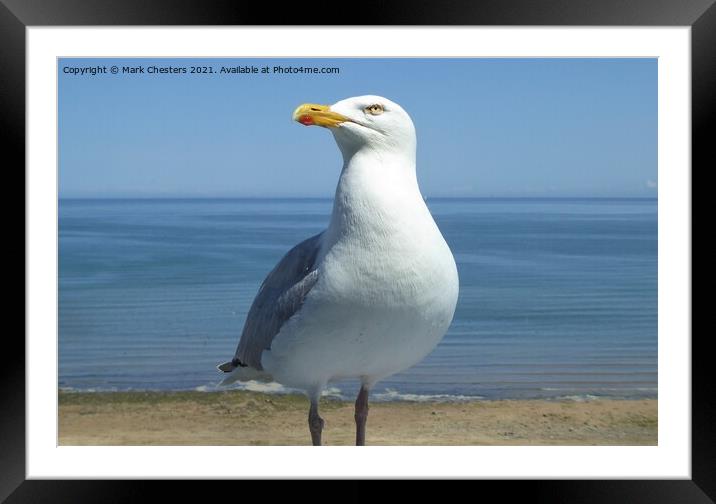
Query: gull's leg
x=315, y=422
x=361, y=415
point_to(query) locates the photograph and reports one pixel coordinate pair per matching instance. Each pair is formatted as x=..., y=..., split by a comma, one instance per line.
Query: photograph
x=357, y=251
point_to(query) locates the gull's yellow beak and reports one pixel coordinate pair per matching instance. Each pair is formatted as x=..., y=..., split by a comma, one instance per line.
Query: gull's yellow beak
x=310, y=114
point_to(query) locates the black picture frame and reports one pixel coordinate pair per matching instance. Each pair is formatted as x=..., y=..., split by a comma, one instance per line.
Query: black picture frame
x=16, y=15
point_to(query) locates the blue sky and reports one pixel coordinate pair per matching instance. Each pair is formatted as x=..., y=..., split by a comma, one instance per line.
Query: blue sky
x=486, y=127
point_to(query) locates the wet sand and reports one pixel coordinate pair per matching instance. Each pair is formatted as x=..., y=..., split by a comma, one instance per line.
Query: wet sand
x=253, y=418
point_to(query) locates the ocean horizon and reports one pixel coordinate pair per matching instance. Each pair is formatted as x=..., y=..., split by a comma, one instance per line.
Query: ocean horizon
x=558, y=295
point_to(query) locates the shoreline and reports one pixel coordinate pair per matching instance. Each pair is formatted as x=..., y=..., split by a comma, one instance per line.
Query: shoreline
x=244, y=418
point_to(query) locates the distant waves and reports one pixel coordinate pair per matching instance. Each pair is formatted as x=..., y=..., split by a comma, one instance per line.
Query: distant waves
x=558, y=297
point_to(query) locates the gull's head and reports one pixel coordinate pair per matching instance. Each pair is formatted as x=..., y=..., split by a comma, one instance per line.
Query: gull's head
x=371, y=122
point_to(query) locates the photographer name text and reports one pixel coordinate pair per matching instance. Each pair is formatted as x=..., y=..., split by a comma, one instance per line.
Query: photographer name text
x=210, y=70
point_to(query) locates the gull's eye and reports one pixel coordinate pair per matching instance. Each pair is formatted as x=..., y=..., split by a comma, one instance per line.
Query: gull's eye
x=375, y=109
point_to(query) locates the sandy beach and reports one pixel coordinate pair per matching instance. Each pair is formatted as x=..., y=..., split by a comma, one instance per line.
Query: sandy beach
x=252, y=418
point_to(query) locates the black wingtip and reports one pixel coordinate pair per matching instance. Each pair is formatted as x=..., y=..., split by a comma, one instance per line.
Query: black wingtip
x=228, y=367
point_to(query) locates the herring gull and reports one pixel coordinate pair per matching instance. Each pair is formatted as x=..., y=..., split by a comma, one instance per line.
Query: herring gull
x=373, y=293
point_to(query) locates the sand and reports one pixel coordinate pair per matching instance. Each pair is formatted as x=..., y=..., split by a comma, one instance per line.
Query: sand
x=252, y=418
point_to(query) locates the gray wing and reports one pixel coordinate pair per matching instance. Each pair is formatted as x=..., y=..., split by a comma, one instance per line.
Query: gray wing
x=281, y=295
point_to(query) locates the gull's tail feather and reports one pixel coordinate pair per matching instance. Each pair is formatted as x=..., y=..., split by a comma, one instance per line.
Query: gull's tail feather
x=227, y=367
x=237, y=372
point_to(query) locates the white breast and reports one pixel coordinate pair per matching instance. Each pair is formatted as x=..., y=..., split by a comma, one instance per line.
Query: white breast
x=386, y=293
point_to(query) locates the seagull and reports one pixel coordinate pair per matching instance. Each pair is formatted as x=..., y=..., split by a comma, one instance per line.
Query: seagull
x=372, y=294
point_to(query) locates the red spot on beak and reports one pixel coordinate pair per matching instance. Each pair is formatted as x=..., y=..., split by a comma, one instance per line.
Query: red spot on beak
x=306, y=120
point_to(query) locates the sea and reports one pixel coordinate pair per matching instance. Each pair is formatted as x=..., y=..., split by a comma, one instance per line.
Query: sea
x=558, y=297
